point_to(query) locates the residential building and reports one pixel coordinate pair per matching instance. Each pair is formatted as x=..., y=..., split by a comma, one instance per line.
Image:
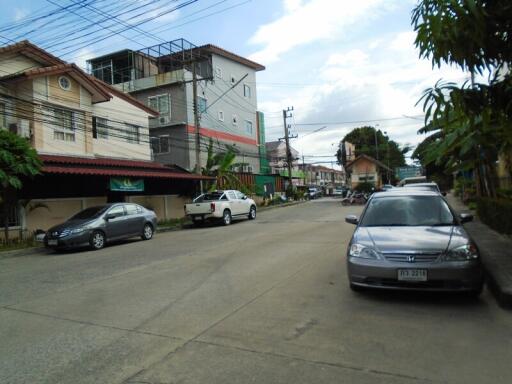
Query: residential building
x=277, y=161
x=92, y=138
x=162, y=77
x=367, y=169
x=326, y=178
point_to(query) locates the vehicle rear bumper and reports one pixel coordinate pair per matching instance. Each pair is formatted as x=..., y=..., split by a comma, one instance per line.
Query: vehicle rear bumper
x=441, y=276
x=204, y=216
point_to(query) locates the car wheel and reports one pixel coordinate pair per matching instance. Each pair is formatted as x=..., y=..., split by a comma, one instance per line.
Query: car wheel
x=147, y=232
x=226, y=217
x=252, y=213
x=97, y=240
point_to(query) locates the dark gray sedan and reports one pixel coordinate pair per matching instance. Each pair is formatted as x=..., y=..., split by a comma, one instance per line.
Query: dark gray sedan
x=95, y=226
x=412, y=239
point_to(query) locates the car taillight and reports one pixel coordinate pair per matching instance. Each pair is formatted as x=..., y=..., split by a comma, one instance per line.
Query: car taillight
x=212, y=207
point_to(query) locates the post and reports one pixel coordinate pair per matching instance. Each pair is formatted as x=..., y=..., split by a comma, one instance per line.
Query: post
x=376, y=144
x=304, y=169
x=196, y=123
x=288, y=152
x=332, y=177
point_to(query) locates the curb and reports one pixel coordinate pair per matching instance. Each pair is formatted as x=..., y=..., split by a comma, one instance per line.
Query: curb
x=268, y=207
x=32, y=251
x=495, y=251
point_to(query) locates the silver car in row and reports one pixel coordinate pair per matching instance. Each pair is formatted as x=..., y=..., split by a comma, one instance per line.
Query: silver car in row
x=412, y=239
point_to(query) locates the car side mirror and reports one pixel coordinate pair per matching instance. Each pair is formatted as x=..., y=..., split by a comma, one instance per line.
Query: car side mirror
x=465, y=217
x=443, y=193
x=110, y=216
x=244, y=198
x=352, y=219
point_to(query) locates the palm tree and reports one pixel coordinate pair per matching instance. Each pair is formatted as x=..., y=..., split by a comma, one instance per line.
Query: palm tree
x=220, y=165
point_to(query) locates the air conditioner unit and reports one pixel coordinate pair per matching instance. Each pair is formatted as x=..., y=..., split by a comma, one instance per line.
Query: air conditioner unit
x=164, y=120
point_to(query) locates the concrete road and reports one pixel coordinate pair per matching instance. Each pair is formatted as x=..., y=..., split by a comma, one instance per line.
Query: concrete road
x=263, y=301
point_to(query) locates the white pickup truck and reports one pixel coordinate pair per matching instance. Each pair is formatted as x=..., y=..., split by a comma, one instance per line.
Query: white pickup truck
x=221, y=205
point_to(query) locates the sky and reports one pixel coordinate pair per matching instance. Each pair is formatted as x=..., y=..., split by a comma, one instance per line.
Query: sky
x=340, y=64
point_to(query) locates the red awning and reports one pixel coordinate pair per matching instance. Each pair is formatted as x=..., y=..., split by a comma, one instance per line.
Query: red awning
x=113, y=167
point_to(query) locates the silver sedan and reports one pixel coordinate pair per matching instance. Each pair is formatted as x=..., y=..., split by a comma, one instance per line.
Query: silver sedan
x=408, y=239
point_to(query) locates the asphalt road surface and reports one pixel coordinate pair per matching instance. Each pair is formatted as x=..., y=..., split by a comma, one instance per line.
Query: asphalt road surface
x=264, y=301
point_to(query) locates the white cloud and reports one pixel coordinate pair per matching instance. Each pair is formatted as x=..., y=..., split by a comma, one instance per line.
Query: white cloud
x=20, y=13
x=313, y=21
x=292, y=5
x=363, y=84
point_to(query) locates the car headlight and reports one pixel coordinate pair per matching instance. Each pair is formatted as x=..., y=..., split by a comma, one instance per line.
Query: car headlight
x=358, y=250
x=77, y=230
x=463, y=253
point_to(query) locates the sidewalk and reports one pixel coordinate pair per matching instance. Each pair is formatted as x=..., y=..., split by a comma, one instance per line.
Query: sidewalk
x=496, y=252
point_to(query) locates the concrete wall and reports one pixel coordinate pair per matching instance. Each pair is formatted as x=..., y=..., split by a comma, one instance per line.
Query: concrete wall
x=165, y=206
x=59, y=210
x=119, y=112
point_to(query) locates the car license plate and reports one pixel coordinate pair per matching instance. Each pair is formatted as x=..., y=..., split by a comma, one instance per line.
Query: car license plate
x=412, y=274
x=53, y=242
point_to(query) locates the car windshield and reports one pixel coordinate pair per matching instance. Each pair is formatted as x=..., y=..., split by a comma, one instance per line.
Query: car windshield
x=213, y=196
x=407, y=211
x=89, y=213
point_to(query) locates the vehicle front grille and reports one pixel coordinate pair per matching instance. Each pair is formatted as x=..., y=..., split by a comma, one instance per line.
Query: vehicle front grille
x=412, y=258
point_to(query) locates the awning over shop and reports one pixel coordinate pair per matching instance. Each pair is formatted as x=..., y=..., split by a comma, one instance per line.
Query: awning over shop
x=113, y=167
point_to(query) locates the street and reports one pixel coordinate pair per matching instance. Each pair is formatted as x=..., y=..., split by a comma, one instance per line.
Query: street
x=264, y=301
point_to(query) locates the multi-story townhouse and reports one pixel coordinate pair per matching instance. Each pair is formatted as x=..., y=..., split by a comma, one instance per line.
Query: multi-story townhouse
x=321, y=176
x=92, y=138
x=162, y=77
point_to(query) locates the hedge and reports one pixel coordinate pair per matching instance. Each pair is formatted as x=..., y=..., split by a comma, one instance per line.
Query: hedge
x=496, y=213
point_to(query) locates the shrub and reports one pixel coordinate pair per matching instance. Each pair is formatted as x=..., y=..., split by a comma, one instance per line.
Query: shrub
x=496, y=213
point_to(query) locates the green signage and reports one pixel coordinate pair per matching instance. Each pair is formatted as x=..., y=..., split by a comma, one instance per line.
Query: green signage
x=125, y=184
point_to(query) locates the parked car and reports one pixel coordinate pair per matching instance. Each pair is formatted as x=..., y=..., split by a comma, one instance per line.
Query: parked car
x=314, y=193
x=221, y=205
x=96, y=226
x=387, y=187
x=426, y=187
x=340, y=191
x=412, y=239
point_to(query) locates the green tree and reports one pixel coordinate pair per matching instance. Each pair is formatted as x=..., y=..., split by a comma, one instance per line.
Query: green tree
x=389, y=152
x=471, y=123
x=220, y=165
x=17, y=160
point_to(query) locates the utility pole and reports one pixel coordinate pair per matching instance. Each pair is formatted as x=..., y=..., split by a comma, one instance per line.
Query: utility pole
x=196, y=123
x=376, y=142
x=286, y=114
x=304, y=169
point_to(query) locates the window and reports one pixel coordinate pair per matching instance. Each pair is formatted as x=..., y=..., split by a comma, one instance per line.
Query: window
x=221, y=115
x=13, y=217
x=218, y=72
x=239, y=195
x=160, y=103
x=248, y=126
x=231, y=195
x=233, y=80
x=201, y=104
x=99, y=128
x=247, y=91
x=132, y=133
x=118, y=210
x=161, y=144
x=3, y=117
x=64, y=122
x=65, y=83
x=234, y=119
x=132, y=209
